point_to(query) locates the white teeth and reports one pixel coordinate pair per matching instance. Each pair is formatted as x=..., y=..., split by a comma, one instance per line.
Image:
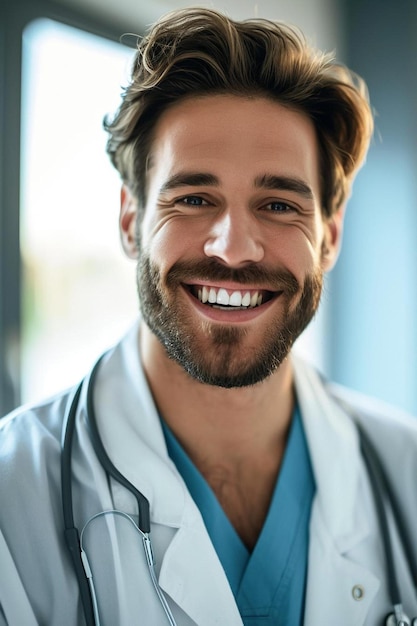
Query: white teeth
x=235, y=299
x=246, y=299
x=222, y=297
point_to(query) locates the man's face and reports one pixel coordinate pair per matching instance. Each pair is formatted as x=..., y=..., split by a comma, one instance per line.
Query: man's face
x=231, y=246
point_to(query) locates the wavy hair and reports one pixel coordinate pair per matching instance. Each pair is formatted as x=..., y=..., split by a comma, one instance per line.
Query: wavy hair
x=195, y=52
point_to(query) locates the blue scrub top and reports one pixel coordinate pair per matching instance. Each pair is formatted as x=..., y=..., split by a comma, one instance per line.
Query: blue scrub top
x=269, y=582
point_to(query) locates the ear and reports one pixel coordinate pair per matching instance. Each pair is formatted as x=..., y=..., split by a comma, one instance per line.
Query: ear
x=127, y=222
x=332, y=240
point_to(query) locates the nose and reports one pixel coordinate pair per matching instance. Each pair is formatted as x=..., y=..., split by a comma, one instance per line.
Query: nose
x=234, y=239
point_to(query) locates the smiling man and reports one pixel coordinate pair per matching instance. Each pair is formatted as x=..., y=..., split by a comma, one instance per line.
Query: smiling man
x=237, y=145
x=234, y=203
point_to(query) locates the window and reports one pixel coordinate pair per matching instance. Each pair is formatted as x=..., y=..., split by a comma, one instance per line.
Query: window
x=78, y=289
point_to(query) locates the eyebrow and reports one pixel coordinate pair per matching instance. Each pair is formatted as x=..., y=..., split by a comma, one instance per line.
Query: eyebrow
x=191, y=179
x=266, y=181
x=284, y=183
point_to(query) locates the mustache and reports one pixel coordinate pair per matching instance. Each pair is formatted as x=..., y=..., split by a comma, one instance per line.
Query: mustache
x=277, y=279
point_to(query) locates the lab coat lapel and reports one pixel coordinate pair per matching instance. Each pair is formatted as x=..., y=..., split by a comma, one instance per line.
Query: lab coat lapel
x=191, y=573
x=193, y=577
x=339, y=591
x=338, y=522
x=335, y=456
x=131, y=432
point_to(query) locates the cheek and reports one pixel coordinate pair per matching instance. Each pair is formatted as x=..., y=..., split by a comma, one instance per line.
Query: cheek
x=169, y=242
x=295, y=250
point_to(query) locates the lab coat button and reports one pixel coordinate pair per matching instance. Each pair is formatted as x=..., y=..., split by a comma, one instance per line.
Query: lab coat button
x=358, y=592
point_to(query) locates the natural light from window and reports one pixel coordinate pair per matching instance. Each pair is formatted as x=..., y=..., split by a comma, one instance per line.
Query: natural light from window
x=79, y=290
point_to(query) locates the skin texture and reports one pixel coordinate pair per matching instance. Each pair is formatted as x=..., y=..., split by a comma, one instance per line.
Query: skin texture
x=233, y=202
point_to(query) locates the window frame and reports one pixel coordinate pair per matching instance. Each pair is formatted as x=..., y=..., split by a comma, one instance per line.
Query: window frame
x=14, y=18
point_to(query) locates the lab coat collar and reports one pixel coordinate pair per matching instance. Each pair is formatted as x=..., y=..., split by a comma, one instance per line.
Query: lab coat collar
x=132, y=435
x=339, y=520
x=335, y=455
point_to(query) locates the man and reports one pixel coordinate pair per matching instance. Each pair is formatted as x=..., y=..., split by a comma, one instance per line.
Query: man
x=237, y=145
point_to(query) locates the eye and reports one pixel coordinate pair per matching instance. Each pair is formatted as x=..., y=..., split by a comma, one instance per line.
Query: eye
x=279, y=207
x=192, y=201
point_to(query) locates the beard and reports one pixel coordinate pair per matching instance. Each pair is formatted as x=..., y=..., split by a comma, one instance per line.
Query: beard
x=214, y=354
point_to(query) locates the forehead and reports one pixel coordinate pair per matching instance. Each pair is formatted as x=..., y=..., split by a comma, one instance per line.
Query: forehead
x=231, y=135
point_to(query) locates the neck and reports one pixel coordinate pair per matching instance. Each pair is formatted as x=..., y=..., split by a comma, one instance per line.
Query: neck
x=235, y=437
x=216, y=419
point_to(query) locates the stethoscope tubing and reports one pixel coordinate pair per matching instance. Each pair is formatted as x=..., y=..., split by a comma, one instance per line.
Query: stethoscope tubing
x=147, y=547
x=72, y=536
x=71, y=533
x=144, y=522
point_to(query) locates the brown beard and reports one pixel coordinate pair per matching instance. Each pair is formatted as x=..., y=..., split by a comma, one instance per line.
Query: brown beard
x=222, y=363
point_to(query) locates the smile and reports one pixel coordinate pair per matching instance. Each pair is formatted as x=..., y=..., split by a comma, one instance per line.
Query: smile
x=230, y=299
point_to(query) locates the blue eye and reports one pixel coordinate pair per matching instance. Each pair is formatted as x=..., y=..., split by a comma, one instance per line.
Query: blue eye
x=193, y=201
x=279, y=207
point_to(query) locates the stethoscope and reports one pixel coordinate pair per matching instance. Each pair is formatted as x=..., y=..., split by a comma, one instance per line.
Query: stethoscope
x=73, y=538
x=383, y=494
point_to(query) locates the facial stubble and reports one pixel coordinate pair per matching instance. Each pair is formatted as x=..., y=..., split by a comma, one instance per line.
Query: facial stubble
x=214, y=354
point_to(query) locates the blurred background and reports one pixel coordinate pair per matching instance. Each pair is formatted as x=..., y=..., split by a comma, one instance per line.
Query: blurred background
x=66, y=291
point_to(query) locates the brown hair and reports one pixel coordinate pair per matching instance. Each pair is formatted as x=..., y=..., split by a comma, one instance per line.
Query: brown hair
x=200, y=51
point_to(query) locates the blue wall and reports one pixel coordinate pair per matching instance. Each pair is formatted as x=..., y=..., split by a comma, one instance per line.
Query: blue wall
x=374, y=287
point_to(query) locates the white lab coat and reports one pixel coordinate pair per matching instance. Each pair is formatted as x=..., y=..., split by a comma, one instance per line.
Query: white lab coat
x=346, y=558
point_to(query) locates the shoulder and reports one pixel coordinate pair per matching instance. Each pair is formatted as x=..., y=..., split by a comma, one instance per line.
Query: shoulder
x=393, y=436
x=32, y=545
x=46, y=416
x=374, y=414
x=30, y=438
x=30, y=470
x=390, y=428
